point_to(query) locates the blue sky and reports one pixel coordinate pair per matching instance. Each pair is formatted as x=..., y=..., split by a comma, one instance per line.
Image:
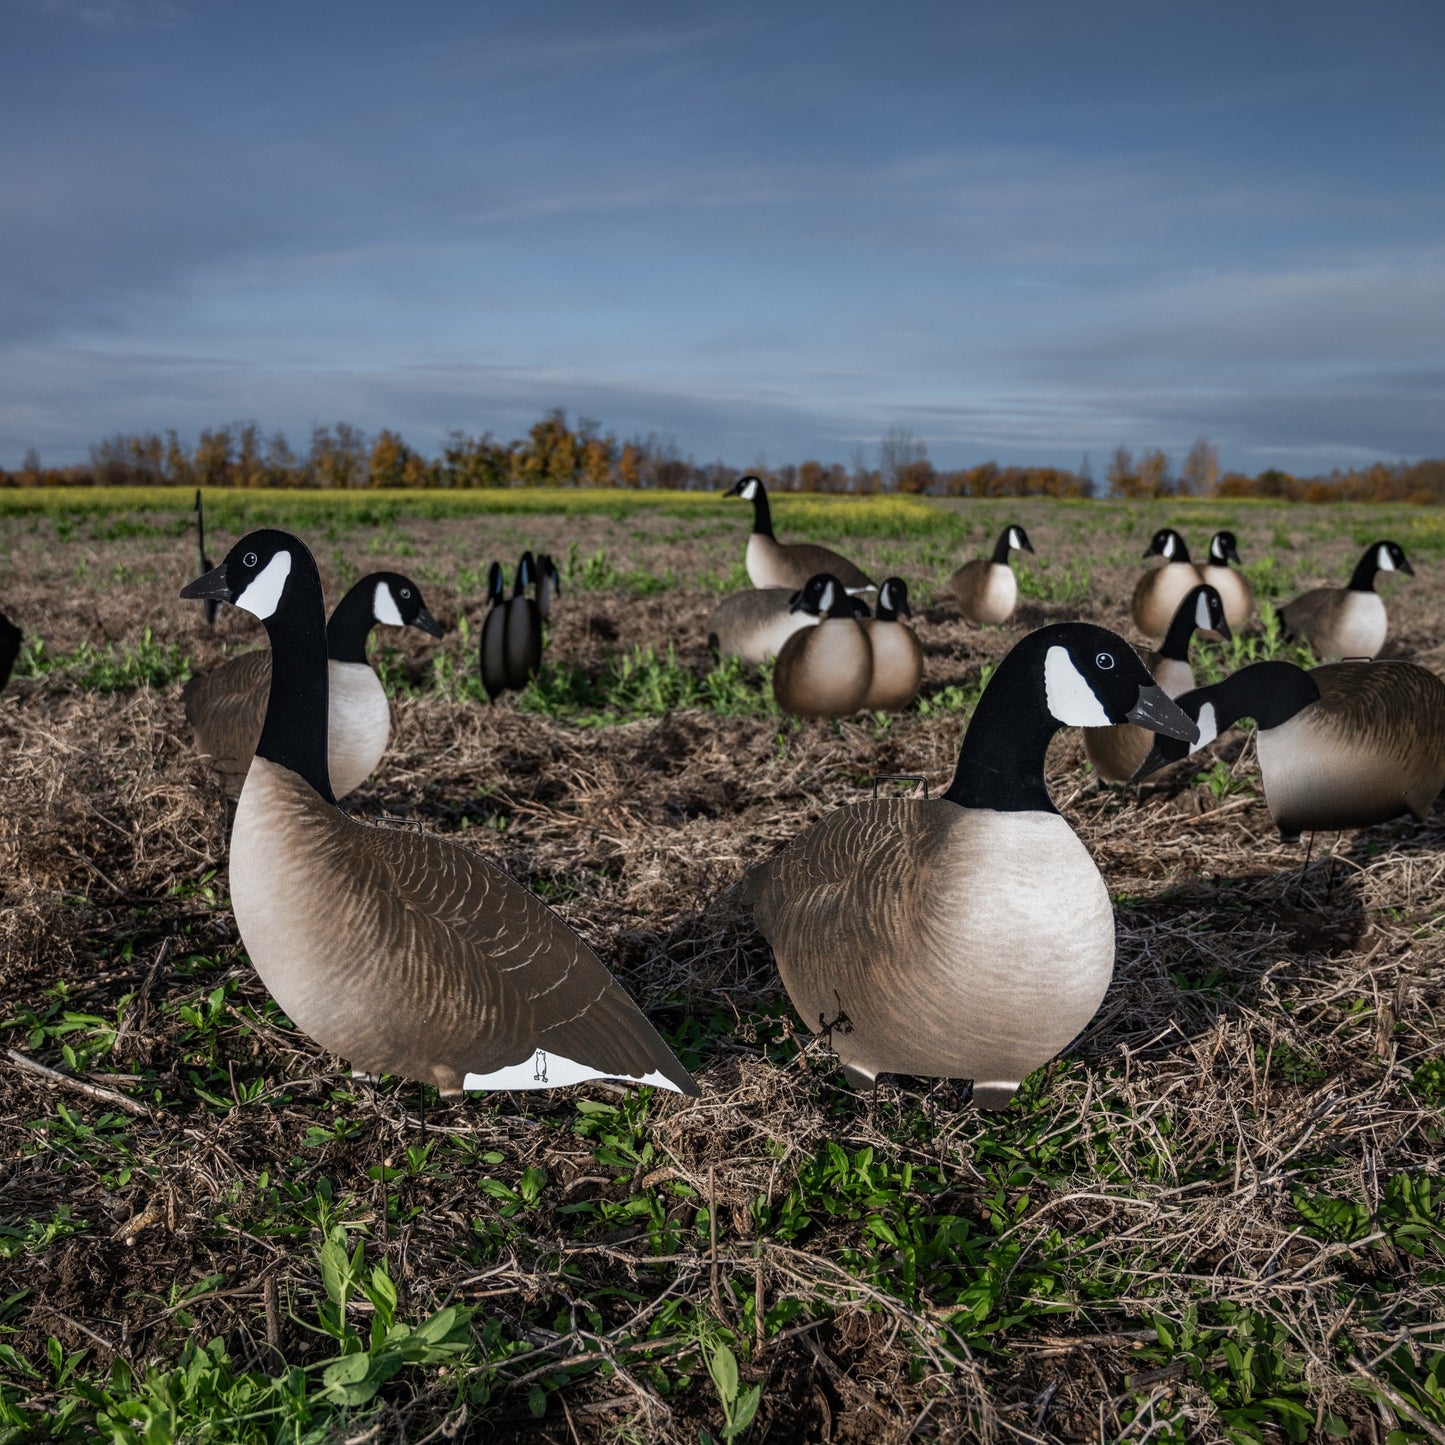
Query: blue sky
x=1020, y=231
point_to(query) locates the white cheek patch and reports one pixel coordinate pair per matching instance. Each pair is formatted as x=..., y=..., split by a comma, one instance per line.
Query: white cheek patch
x=555, y=1071
x=1385, y=561
x=1069, y=697
x=749, y=491
x=1201, y=614
x=384, y=608
x=263, y=596
x=1167, y=550
x=826, y=599
x=1208, y=727
x=1014, y=540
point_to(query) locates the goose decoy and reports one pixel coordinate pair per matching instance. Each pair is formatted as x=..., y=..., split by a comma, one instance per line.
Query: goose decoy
x=404, y=953
x=824, y=670
x=226, y=707
x=1158, y=593
x=10, y=639
x=522, y=629
x=969, y=936
x=209, y=608
x=772, y=563
x=1345, y=745
x=494, y=635
x=1232, y=585
x=1116, y=752
x=1342, y=622
x=897, y=656
x=754, y=625
x=549, y=586
x=987, y=590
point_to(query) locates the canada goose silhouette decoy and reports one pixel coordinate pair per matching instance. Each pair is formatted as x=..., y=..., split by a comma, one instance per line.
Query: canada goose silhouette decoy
x=986, y=589
x=1231, y=584
x=772, y=563
x=494, y=635
x=1116, y=752
x=969, y=936
x=402, y=952
x=226, y=707
x=1350, y=621
x=1341, y=746
x=10, y=639
x=754, y=625
x=208, y=608
x=897, y=657
x=522, y=629
x=824, y=670
x=549, y=586
x=1159, y=592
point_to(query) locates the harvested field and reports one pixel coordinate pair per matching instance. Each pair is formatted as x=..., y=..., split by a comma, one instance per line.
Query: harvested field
x=1221, y=1216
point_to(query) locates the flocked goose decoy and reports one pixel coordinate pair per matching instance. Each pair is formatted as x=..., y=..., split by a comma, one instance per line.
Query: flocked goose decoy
x=1158, y=593
x=1116, y=752
x=897, y=657
x=10, y=639
x=969, y=936
x=1340, y=622
x=771, y=563
x=754, y=625
x=522, y=634
x=494, y=635
x=986, y=589
x=824, y=670
x=1345, y=745
x=227, y=706
x=404, y=953
x=1231, y=584
x=209, y=609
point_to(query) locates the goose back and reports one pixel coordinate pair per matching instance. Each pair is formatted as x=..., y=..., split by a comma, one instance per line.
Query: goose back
x=754, y=625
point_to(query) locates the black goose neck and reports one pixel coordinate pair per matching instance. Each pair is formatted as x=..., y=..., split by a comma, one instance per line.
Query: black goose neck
x=1269, y=692
x=294, y=733
x=1181, y=550
x=1362, y=579
x=762, y=513
x=1181, y=631
x=1000, y=548
x=1001, y=763
x=351, y=624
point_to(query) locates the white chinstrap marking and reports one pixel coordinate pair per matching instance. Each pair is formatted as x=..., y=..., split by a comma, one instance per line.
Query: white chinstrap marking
x=263, y=596
x=555, y=1071
x=1068, y=694
x=384, y=608
x=1208, y=727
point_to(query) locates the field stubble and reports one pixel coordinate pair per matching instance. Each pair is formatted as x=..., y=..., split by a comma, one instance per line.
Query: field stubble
x=1219, y=1216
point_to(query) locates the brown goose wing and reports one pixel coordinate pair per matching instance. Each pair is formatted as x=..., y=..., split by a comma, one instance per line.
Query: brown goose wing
x=809, y=559
x=227, y=707
x=1306, y=610
x=494, y=975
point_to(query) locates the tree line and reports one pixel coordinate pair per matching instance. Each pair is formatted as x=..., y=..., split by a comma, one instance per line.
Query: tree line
x=556, y=453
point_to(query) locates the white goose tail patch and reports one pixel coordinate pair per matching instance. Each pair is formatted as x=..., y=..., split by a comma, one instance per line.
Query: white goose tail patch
x=1383, y=560
x=1208, y=727
x=1068, y=694
x=556, y=1071
x=384, y=608
x=263, y=596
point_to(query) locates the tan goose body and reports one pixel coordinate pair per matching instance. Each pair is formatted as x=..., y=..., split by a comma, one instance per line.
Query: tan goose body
x=987, y=592
x=771, y=563
x=754, y=625
x=824, y=671
x=1345, y=622
x=1157, y=596
x=917, y=920
x=1234, y=590
x=897, y=656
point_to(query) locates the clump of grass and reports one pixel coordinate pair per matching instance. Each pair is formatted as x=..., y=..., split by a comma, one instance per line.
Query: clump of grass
x=597, y=573
x=1269, y=577
x=147, y=663
x=1217, y=661
x=1049, y=580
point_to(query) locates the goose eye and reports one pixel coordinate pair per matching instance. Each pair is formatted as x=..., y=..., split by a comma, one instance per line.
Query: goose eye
x=249, y=560
x=1104, y=662
x=406, y=591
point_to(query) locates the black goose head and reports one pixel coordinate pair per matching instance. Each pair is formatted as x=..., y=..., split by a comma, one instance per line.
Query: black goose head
x=397, y=601
x=526, y=574
x=745, y=487
x=1200, y=608
x=496, y=584
x=1223, y=548
x=893, y=600
x=1168, y=544
x=254, y=574
x=822, y=596
x=1379, y=557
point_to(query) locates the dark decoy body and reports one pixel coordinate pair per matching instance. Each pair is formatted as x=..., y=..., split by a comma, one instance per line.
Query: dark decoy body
x=10, y=640
x=522, y=630
x=494, y=634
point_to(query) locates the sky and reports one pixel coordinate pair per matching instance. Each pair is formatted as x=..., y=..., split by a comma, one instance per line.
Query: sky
x=1027, y=232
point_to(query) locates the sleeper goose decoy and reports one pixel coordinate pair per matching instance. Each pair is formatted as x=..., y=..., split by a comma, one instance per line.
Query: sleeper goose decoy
x=522, y=628
x=494, y=634
x=402, y=952
x=1158, y=593
x=226, y=707
x=986, y=589
x=210, y=608
x=824, y=670
x=754, y=625
x=969, y=936
x=1341, y=746
x=1116, y=752
x=10, y=639
x=1231, y=584
x=1350, y=621
x=549, y=586
x=771, y=563
x=897, y=656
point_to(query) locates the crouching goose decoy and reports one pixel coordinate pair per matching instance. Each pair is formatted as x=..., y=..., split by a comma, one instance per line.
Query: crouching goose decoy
x=10, y=638
x=227, y=706
x=772, y=563
x=987, y=590
x=824, y=670
x=754, y=625
x=1116, y=752
x=1158, y=593
x=969, y=936
x=404, y=953
x=1232, y=585
x=1340, y=622
x=1345, y=745
x=897, y=658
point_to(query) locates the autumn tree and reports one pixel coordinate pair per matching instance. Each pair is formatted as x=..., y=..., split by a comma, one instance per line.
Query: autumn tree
x=1200, y=473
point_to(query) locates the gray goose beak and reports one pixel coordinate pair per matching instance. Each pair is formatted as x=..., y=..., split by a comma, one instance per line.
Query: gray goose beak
x=424, y=620
x=1155, y=711
x=209, y=587
x=1406, y=568
x=1153, y=761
